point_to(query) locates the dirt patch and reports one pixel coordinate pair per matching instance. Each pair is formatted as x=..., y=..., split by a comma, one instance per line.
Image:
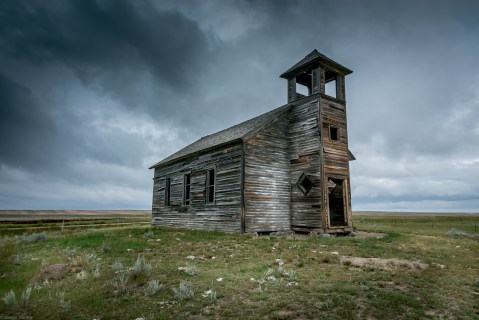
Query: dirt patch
x=54, y=272
x=304, y=236
x=385, y=264
x=364, y=234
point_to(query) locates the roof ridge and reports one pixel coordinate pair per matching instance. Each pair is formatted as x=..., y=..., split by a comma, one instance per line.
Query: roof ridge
x=235, y=132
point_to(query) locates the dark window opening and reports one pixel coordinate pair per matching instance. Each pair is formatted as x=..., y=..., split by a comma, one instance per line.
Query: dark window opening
x=210, y=186
x=333, y=133
x=167, y=191
x=336, y=202
x=305, y=183
x=331, y=84
x=187, y=189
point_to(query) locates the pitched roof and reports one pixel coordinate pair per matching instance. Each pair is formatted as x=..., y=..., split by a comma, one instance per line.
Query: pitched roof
x=228, y=135
x=311, y=58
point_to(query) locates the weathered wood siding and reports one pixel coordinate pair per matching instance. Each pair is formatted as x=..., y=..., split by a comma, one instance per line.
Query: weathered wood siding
x=335, y=153
x=304, y=154
x=336, y=160
x=225, y=214
x=267, y=179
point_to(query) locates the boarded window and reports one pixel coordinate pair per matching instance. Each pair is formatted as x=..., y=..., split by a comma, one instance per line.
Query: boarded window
x=187, y=189
x=334, y=133
x=167, y=191
x=305, y=183
x=210, y=186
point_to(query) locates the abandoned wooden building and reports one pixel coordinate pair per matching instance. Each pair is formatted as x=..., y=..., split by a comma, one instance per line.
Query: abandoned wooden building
x=285, y=170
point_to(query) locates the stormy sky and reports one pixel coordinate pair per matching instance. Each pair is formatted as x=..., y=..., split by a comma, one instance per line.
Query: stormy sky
x=92, y=93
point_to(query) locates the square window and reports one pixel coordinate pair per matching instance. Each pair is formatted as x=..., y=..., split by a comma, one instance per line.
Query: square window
x=333, y=133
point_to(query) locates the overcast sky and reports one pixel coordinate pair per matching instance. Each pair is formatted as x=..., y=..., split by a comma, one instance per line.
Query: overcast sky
x=92, y=93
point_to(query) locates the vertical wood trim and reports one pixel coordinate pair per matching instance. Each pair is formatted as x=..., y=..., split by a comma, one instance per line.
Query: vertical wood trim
x=315, y=80
x=243, y=213
x=322, y=80
x=324, y=204
x=291, y=89
x=340, y=87
x=347, y=205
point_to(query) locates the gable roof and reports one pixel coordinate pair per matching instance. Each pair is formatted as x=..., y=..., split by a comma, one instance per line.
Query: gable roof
x=312, y=58
x=236, y=132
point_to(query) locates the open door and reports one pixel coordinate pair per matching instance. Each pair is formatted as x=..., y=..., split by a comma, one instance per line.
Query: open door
x=337, y=202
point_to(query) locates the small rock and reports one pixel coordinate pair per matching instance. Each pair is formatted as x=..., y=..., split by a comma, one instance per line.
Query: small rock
x=129, y=250
x=207, y=293
x=335, y=253
x=280, y=262
x=158, y=240
x=219, y=279
x=190, y=257
x=438, y=266
x=292, y=284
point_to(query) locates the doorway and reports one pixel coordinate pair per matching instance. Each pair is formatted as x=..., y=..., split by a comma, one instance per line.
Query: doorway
x=336, y=202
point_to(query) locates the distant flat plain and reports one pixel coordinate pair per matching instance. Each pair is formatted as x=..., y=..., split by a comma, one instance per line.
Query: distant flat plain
x=18, y=215
x=413, y=214
x=31, y=215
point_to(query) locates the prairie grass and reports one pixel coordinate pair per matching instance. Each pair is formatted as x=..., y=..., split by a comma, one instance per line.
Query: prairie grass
x=301, y=276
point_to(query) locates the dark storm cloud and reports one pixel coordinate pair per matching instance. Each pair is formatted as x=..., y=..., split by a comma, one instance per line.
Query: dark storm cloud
x=29, y=136
x=39, y=138
x=105, y=41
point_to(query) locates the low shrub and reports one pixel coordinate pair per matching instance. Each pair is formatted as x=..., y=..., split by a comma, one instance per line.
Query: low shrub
x=9, y=298
x=34, y=237
x=456, y=233
x=184, y=291
x=153, y=287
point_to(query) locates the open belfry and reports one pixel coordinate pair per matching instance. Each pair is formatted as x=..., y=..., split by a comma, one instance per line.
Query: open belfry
x=285, y=170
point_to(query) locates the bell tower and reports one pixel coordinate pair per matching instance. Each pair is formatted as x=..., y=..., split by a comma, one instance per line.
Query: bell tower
x=319, y=151
x=314, y=74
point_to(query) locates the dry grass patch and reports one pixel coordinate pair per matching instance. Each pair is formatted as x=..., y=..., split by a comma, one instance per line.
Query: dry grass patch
x=384, y=264
x=54, y=272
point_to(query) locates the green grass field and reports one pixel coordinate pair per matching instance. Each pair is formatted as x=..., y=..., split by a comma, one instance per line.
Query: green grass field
x=419, y=269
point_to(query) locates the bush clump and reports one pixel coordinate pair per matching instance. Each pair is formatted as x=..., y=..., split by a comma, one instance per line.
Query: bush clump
x=456, y=233
x=184, y=291
x=34, y=237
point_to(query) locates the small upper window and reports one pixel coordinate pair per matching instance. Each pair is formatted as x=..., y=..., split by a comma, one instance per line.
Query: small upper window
x=334, y=133
x=187, y=189
x=210, y=186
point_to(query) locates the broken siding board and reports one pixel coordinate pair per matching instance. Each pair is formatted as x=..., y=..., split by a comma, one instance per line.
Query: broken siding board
x=224, y=214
